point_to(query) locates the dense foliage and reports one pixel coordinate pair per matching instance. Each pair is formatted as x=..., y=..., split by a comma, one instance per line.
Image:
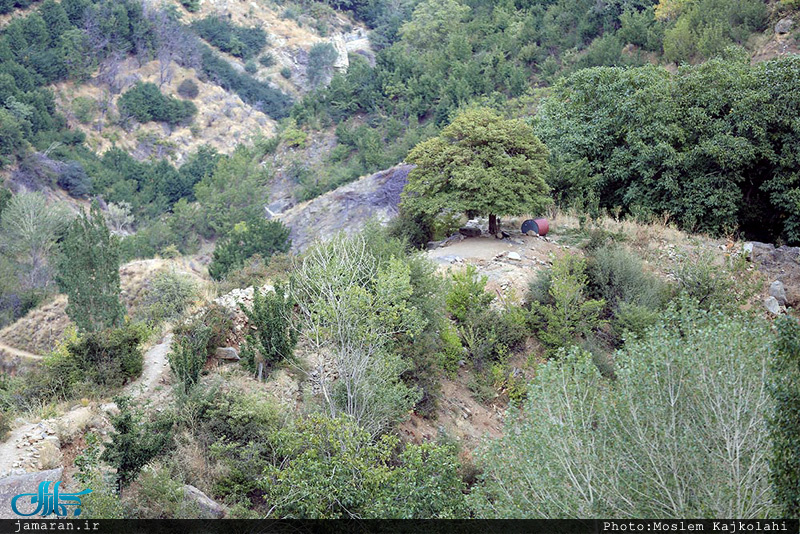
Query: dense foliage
x=665, y=439
x=88, y=272
x=146, y=103
x=256, y=235
x=275, y=337
x=713, y=146
x=480, y=164
x=784, y=428
x=235, y=40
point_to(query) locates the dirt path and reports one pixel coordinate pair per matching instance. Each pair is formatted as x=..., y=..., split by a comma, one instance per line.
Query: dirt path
x=8, y=349
x=155, y=368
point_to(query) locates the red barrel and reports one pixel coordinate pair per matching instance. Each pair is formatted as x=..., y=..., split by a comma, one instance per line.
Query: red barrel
x=539, y=226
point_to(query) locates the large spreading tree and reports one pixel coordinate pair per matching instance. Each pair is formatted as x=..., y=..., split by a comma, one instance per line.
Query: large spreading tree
x=481, y=163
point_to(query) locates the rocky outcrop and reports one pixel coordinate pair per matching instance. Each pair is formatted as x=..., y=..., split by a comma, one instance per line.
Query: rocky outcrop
x=347, y=208
x=782, y=264
x=784, y=25
x=207, y=507
x=227, y=353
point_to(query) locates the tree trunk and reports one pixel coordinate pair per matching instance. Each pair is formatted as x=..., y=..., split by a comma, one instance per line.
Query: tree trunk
x=493, y=229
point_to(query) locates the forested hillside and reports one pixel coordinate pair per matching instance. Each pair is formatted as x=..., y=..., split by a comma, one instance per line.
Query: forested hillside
x=272, y=259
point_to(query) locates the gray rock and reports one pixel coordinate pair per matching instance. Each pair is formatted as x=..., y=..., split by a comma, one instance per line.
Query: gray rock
x=470, y=231
x=207, y=507
x=772, y=306
x=25, y=483
x=280, y=205
x=514, y=256
x=784, y=25
x=777, y=290
x=227, y=353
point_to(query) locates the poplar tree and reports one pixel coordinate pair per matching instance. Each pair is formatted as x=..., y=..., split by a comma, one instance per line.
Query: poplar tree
x=88, y=272
x=785, y=420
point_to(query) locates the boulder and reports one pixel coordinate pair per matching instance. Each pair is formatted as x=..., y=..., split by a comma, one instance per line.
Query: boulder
x=784, y=25
x=470, y=231
x=767, y=255
x=514, y=256
x=227, y=353
x=208, y=508
x=27, y=483
x=49, y=453
x=778, y=291
x=74, y=423
x=773, y=306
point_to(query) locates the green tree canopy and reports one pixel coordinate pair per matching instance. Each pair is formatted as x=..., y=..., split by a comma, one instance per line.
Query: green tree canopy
x=256, y=235
x=88, y=272
x=480, y=163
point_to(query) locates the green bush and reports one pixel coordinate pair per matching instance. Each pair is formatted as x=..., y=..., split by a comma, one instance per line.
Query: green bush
x=189, y=354
x=670, y=404
x=73, y=179
x=250, y=67
x=267, y=60
x=321, y=58
x=616, y=275
x=784, y=387
x=168, y=295
x=270, y=100
x=346, y=473
x=106, y=358
x=146, y=103
x=255, y=236
x=135, y=441
x=571, y=314
x=286, y=72
x=228, y=37
x=467, y=294
x=192, y=6
x=714, y=283
x=276, y=331
x=84, y=109
x=188, y=89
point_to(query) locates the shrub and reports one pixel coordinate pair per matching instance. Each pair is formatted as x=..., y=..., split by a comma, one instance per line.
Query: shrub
x=189, y=354
x=250, y=67
x=321, y=58
x=276, y=335
x=84, y=109
x=167, y=297
x=571, y=313
x=292, y=135
x=467, y=294
x=146, y=103
x=88, y=272
x=108, y=358
x=135, y=441
x=270, y=100
x=712, y=284
x=188, y=89
x=267, y=60
x=344, y=472
x=286, y=72
x=784, y=387
x=255, y=236
x=74, y=180
x=228, y=37
x=192, y=6
x=617, y=276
